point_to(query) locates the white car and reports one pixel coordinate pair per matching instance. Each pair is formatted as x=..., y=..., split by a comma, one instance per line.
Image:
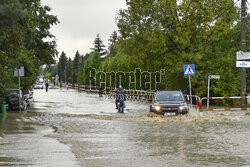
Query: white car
x=38, y=86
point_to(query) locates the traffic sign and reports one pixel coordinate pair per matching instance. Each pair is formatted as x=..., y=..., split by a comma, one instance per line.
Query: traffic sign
x=19, y=72
x=214, y=76
x=242, y=55
x=243, y=64
x=189, y=70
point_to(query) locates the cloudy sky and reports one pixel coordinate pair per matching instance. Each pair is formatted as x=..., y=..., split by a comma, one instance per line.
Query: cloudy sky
x=81, y=21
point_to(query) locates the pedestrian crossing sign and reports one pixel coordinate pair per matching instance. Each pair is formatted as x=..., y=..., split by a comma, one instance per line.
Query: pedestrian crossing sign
x=189, y=69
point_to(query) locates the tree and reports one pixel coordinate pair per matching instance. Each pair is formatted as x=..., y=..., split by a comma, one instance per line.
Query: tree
x=69, y=71
x=112, y=49
x=168, y=35
x=92, y=62
x=63, y=60
x=11, y=11
x=24, y=26
x=76, y=63
x=99, y=46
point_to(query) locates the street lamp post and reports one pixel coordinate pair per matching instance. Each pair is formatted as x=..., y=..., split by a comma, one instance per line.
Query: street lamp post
x=65, y=71
x=243, y=48
x=72, y=75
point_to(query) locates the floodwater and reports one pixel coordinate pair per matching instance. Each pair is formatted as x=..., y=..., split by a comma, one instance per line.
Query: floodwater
x=70, y=128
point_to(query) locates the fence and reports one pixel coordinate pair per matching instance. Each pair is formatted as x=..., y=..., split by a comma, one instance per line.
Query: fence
x=146, y=96
x=132, y=95
x=110, y=93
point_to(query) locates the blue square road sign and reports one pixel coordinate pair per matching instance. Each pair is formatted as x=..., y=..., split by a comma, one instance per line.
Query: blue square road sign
x=189, y=70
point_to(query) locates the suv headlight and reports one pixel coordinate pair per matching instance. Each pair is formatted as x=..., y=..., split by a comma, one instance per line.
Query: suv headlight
x=157, y=108
x=183, y=107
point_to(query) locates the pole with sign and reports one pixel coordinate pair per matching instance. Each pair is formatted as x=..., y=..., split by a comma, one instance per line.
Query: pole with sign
x=188, y=71
x=208, y=86
x=19, y=73
x=242, y=55
x=241, y=62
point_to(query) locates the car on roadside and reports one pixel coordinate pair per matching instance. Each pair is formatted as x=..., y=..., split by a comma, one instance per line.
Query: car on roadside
x=169, y=103
x=28, y=94
x=38, y=86
x=15, y=99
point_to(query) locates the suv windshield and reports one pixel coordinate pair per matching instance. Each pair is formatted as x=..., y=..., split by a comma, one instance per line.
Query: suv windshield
x=169, y=96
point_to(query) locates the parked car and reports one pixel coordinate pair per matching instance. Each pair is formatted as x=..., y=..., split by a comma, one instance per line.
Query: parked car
x=169, y=103
x=28, y=94
x=38, y=86
x=15, y=99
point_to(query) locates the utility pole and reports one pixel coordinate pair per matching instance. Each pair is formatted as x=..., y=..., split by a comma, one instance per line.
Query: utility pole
x=243, y=49
x=65, y=72
x=72, y=75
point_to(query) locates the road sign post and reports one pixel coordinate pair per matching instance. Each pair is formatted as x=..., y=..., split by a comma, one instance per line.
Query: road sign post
x=208, y=86
x=242, y=55
x=190, y=89
x=188, y=71
x=19, y=73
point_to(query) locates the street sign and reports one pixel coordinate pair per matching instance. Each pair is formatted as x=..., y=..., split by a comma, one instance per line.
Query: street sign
x=16, y=72
x=21, y=71
x=243, y=55
x=189, y=70
x=214, y=76
x=243, y=64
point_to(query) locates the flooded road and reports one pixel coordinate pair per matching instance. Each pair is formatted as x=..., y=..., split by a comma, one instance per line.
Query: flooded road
x=70, y=128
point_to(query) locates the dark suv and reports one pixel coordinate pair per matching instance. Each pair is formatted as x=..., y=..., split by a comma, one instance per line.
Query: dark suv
x=15, y=99
x=169, y=103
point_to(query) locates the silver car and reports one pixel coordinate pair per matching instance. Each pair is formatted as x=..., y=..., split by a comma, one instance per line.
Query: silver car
x=38, y=86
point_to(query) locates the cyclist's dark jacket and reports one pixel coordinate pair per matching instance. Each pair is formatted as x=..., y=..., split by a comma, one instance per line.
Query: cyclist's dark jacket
x=120, y=94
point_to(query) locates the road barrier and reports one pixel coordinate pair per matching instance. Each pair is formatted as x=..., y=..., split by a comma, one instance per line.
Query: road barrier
x=225, y=109
x=132, y=95
x=110, y=93
x=146, y=96
x=197, y=101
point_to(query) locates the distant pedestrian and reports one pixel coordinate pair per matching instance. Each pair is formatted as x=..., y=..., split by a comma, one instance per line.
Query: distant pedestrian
x=67, y=85
x=47, y=86
x=60, y=84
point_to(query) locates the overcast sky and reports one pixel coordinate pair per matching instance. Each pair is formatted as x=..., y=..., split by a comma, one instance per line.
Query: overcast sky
x=81, y=21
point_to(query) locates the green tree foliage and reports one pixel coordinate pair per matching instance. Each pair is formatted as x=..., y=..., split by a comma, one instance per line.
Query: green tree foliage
x=120, y=62
x=69, y=71
x=99, y=46
x=76, y=63
x=10, y=12
x=113, y=48
x=24, y=26
x=93, y=61
x=80, y=74
x=170, y=34
x=63, y=61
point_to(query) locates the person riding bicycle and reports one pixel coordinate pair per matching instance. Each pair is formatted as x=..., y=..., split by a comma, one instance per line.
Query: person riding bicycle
x=120, y=97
